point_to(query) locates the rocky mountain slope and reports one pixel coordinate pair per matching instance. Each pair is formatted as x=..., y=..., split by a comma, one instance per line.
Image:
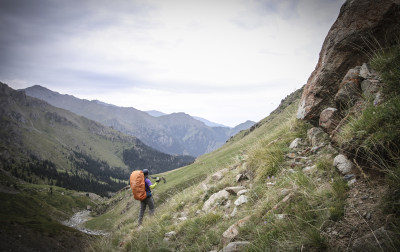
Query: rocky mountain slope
x=44, y=144
x=177, y=133
x=329, y=182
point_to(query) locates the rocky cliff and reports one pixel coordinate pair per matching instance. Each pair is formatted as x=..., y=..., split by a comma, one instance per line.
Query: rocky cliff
x=361, y=28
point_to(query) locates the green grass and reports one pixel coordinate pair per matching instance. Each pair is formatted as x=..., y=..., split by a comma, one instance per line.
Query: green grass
x=373, y=137
x=260, y=154
x=387, y=62
x=35, y=207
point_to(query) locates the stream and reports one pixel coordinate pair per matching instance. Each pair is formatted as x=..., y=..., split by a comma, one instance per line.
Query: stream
x=77, y=221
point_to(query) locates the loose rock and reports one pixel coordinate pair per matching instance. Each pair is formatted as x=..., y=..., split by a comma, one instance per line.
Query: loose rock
x=234, y=189
x=316, y=136
x=241, y=200
x=310, y=169
x=241, y=177
x=329, y=119
x=210, y=203
x=296, y=143
x=344, y=165
x=235, y=246
x=233, y=230
x=349, y=89
x=219, y=174
x=242, y=192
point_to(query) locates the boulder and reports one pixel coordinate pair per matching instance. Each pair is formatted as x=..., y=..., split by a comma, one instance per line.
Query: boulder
x=241, y=200
x=316, y=136
x=215, y=198
x=310, y=169
x=169, y=235
x=370, y=87
x=234, y=189
x=219, y=174
x=379, y=99
x=329, y=119
x=184, y=218
x=242, y=192
x=241, y=177
x=343, y=164
x=365, y=72
x=296, y=143
x=236, y=246
x=234, y=212
x=233, y=230
x=360, y=27
x=228, y=204
x=349, y=89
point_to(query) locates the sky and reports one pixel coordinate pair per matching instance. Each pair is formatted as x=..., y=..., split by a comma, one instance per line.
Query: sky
x=224, y=60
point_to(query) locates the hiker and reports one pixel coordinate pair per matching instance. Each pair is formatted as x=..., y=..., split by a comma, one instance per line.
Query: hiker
x=149, y=199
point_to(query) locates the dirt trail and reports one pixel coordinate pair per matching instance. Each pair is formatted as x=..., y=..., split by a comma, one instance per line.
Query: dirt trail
x=363, y=214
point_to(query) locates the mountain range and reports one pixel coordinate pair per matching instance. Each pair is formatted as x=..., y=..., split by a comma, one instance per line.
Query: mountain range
x=320, y=173
x=156, y=113
x=176, y=133
x=44, y=144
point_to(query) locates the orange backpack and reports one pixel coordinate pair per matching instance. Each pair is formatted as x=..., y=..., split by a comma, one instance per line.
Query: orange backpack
x=138, y=185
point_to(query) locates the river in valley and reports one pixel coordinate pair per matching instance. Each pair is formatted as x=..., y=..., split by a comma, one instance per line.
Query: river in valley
x=78, y=220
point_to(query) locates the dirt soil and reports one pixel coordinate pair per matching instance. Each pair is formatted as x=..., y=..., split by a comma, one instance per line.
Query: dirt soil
x=363, y=214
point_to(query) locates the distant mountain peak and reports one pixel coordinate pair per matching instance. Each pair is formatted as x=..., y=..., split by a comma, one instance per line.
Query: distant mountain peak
x=155, y=113
x=176, y=133
x=103, y=103
x=209, y=123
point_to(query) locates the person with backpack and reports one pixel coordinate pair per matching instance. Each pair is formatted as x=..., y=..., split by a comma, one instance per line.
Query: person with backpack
x=141, y=188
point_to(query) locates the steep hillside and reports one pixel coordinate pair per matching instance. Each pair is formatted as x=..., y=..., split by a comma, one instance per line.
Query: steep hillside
x=281, y=187
x=176, y=133
x=44, y=144
x=327, y=184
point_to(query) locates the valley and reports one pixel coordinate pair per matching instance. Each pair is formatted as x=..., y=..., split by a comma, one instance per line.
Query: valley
x=319, y=173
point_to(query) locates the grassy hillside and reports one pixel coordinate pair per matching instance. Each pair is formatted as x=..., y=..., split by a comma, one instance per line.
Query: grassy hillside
x=188, y=188
x=46, y=145
x=296, y=199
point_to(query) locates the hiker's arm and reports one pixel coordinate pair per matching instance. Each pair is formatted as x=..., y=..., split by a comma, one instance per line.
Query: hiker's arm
x=153, y=185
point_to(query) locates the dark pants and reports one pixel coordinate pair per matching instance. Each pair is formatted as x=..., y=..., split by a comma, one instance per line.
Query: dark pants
x=143, y=204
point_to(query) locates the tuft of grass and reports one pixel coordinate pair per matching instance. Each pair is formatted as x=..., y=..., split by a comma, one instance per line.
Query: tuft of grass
x=387, y=63
x=267, y=161
x=374, y=136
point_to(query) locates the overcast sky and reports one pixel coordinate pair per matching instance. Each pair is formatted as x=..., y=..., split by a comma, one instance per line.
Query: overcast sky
x=225, y=60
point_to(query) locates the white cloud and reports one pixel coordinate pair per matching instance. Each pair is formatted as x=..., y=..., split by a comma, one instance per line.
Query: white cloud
x=221, y=60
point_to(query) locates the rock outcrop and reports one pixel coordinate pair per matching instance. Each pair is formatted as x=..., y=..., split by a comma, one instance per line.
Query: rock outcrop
x=361, y=26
